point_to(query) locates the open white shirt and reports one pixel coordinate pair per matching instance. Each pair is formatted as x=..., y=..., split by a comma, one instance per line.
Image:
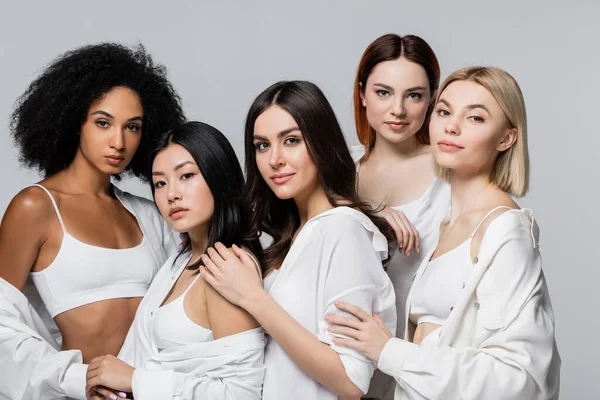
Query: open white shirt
x=336, y=256
x=498, y=341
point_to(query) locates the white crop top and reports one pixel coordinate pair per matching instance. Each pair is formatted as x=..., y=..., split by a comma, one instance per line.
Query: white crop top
x=82, y=274
x=434, y=294
x=172, y=326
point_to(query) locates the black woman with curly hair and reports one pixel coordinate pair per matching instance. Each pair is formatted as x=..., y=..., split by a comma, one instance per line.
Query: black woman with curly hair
x=84, y=249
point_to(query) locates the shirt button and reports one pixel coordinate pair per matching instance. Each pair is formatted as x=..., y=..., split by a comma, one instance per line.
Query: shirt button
x=477, y=305
x=152, y=313
x=463, y=285
x=476, y=260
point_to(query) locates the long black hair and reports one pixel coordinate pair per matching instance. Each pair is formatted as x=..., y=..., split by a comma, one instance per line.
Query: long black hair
x=327, y=149
x=221, y=170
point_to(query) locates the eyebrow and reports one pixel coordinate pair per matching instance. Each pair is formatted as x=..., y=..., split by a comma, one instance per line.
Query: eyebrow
x=280, y=134
x=469, y=107
x=137, y=118
x=178, y=166
x=391, y=89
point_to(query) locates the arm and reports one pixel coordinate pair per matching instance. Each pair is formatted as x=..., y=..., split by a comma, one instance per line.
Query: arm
x=37, y=369
x=513, y=354
x=237, y=378
x=326, y=364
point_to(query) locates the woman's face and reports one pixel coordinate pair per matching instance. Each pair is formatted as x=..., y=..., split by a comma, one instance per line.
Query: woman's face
x=282, y=156
x=468, y=129
x=180, y=191
x=112, y=131
x=396, y=97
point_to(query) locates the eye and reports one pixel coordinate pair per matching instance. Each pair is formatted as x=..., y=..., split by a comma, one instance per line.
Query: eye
x=133, y=127
x=261, y=146
x=159, y=184
x=443, y=113
x=382, y=93
x=187, y=176
x=291, y=140
x=415, y=96
x=102, y=123
x=476, y=118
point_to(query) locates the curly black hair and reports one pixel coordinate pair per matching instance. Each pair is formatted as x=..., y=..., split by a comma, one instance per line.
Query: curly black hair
x=48, y=116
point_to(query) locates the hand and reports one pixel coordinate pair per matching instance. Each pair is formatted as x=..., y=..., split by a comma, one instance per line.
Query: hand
x=368, y=335
x=110, y=372
x=232, y=273
x=101, y=393
x=406, y=234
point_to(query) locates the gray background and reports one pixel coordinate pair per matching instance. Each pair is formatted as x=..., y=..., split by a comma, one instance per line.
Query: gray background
x=220, y=55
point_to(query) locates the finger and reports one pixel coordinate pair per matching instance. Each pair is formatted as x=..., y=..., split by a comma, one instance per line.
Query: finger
x=247, y=259
x=210, y=266
x=343, y=321
x=396, y=228
x=350, y=343
x=237, y=251
x=224, y=252
x=91, y=373
x=215, y=257
x=414, y=234
x=106, y=393
x=356, y=311
x=406, y=239
x=208, y=277
x=342, y=330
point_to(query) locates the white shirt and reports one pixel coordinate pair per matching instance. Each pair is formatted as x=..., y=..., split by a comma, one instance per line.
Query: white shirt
x=498, y=341
x=336, y=256
x=227, y=368
x=33, y=365
x=425, y=213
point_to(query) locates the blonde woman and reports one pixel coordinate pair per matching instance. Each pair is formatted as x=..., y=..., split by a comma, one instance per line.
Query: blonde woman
x=480, y=324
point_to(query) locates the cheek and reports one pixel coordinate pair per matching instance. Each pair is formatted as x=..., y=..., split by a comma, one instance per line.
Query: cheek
x=436, y=128
x=262, y=163
x=160, y=199
x=376, y=107
x=418, y=111
x=133, y=139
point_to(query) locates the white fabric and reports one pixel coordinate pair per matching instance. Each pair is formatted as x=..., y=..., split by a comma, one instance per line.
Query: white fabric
x=426, y=213
x=336, y=256
x=227, y=368
x=498, y=342
x=33, y=367
x=82, y=274
x=434, y=295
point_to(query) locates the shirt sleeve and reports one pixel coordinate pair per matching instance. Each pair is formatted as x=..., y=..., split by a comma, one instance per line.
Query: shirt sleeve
x=240, y=378
x=31, y=367
x=354, y=274
x=515, y=356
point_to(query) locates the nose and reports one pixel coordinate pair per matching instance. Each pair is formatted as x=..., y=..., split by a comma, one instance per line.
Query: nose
x=174, y=194
x=117, y=141
x=451, y=127
x=276, y=159
x=398, y=109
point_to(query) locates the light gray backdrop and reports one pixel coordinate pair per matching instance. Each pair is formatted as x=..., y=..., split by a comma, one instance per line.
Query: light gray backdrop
x=221, y=54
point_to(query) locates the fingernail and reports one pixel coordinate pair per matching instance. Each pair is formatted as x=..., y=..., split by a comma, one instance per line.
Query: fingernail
x=113, y=396
x=123, y=394
x=327, y=318
x=337, y=303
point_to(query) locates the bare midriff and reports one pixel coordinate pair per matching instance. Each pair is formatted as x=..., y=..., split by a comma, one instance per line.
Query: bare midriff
x=97, y=328
x=423, y=330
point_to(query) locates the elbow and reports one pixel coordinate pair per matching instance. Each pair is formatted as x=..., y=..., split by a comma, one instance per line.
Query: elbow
x=351, y=392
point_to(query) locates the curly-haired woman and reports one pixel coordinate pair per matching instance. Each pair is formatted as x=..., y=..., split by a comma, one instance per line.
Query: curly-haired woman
x=90, y=250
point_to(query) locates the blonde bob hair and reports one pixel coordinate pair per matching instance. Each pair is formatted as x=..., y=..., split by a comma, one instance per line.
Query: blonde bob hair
x=511, y=168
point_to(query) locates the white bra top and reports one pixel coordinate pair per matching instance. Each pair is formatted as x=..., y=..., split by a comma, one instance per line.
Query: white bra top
x=172, y=326
x=82, y=274
x=434, y=294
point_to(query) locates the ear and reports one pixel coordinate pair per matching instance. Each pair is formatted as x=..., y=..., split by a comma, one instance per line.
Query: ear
x=508, y=140
x=362, y=94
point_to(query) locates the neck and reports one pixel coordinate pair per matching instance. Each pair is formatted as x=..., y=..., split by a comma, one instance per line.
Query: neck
x=83, y=177
x=199, y=240
x=408, y=148
x=468, y=192
x=312, y=205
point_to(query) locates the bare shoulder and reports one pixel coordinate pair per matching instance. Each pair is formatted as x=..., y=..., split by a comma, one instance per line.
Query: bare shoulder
x=226, y=318
x=31, y=204
x=486, y=218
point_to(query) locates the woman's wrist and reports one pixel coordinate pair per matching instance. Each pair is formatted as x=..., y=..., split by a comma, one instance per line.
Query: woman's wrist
x=252, y=302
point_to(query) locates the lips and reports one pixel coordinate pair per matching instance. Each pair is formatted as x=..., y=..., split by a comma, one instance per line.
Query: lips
x=114, y=160
x=397, y=125
x=280, y=179
x=448, y=146
x=177, y=212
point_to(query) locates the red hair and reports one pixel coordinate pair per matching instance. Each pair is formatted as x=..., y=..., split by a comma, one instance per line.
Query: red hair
x=387, y=48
